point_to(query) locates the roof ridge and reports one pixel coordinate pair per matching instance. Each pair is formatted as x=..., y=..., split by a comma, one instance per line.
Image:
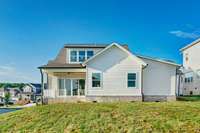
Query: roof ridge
x=158, y=59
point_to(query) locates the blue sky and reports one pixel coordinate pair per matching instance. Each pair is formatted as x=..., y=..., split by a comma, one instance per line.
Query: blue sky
x=33, y=31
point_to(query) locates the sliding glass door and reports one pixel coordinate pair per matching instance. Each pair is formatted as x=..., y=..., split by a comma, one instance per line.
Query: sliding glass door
x=71, y=87
x=81, y=87
x=68, y=87
x=75, y=86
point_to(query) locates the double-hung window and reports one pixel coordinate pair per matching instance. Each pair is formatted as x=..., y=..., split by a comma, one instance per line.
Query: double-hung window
x=73, y=56
x=131, y=82
x=96, y=79
x=89, y=54
x=81, y=56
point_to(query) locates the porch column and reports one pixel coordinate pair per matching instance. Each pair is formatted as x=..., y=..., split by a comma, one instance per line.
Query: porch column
x=42, y=86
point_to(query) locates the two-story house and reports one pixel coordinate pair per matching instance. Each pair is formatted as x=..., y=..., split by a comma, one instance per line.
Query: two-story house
x=190, y=81
x=91, y=72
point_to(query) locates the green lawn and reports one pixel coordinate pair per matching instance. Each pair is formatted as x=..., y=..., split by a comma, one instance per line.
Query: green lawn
x=102, y=117
x=189, y=98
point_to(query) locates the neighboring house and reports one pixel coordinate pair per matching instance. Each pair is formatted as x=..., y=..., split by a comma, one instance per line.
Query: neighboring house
x=36, y=88
x=31, y=91
x=2, y=93
x=107, y=73
x=14, y=93
x=190, y=79
x=27, y=92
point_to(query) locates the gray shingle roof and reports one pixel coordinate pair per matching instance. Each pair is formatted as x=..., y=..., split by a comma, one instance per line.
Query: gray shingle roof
x=89, y=45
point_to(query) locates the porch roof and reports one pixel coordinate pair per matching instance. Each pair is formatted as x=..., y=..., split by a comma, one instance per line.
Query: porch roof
x=56, y=65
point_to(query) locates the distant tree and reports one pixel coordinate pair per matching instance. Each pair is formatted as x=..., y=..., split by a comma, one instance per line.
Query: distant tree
x=7, y=98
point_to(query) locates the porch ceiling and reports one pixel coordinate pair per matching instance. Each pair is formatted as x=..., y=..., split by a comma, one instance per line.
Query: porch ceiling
x=62, y=70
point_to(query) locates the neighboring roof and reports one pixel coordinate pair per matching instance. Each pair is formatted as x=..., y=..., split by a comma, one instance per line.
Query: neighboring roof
x=120, y=47
x=159, y=60
x=53, y=66
x=36, y=85
x=90, y=45
x=190, y=45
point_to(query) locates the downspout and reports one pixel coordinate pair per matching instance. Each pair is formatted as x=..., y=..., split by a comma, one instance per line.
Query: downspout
x=42, y=86
x=179, y=80
x=177, y=74
x=142, y=90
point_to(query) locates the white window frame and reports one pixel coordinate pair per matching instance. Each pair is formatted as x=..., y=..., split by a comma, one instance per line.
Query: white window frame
x=77, y=56
x=136, y=79
x=77, y=53
x=101, y=79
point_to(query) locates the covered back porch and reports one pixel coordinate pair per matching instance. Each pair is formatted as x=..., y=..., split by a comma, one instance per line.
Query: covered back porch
x=64, y=83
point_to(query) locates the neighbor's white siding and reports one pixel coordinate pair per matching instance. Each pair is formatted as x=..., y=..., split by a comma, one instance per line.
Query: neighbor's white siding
x=193, y=55
x=159, y=78
x=27, y=88
x=113, y=64
x=192, y=69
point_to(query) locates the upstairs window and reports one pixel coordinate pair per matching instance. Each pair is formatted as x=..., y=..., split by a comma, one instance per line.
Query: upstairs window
x=131, y=80
x=81, y=56
x=73, y=56
x=89, y=54
x=96, y=80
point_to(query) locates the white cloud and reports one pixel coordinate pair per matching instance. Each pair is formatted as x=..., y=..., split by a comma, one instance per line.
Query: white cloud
x=9, y=73
x=182, y=34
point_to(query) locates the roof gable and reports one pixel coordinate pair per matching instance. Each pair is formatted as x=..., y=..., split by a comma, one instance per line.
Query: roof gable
x=120, y=47
x=190, y=45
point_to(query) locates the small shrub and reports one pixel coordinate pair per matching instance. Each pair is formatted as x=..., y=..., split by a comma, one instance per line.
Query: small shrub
x=7, y=98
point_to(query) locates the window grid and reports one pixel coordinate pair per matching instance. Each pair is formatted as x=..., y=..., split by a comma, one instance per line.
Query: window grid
x=96, y=79
x=131, y=82
x=80, y=55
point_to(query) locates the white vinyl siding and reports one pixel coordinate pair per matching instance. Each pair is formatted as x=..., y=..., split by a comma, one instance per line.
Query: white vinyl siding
x=191, y=64
x=159, y=78
x=114, y=64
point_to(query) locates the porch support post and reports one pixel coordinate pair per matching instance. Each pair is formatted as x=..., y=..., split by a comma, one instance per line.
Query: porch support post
x=42, y=86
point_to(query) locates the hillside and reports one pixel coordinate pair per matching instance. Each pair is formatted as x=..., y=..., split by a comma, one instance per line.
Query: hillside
x=102, y=117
